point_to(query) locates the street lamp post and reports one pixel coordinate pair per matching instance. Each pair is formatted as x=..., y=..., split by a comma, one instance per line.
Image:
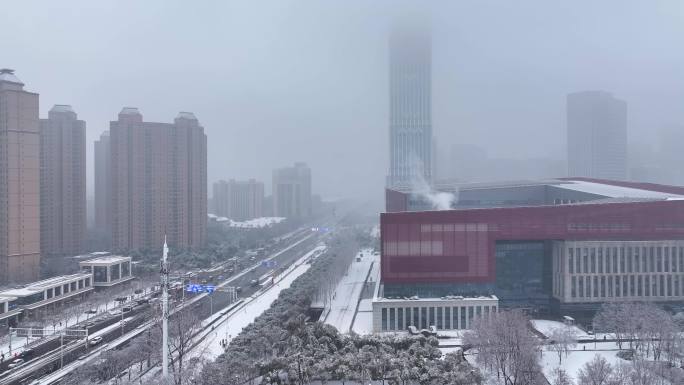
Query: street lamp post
x=165, y=311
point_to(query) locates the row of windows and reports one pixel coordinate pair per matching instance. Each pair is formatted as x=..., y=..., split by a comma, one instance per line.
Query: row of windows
x=627, y=286
x=631, y=259
x=443, y=318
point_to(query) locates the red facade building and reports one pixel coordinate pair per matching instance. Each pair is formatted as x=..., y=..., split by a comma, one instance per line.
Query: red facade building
x=459, y=245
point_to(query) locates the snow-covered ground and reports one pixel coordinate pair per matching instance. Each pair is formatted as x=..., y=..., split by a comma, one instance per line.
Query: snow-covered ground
x=255, y=223
x=579, y=357
x=343, y=305
x=546, y=327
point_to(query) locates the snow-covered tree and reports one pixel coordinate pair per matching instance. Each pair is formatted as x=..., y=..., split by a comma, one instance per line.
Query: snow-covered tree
x=560, y=377
x=595, y=372
x=561, y=340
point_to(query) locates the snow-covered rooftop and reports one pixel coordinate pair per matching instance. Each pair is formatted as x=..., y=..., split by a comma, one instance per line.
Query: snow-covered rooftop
x=7, y=75
x=40, y=286
x=106, y=260
x=612, y=191
x=433, y=299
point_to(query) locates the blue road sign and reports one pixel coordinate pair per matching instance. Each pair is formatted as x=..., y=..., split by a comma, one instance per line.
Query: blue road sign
x=268, y=263
x=195, y=288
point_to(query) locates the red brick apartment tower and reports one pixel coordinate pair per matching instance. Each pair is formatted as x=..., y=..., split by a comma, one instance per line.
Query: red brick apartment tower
x=19, y=181
x=62, y=182
x=159, y=182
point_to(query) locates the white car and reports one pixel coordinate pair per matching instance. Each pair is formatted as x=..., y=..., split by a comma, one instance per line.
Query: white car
x=95, y=340
x=16, y=363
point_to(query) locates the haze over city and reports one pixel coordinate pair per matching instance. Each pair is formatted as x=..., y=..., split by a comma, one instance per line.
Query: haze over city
x=342, y=192
x=285, y=81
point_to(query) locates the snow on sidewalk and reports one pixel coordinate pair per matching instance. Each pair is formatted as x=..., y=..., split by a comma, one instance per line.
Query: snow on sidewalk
x=348, y=291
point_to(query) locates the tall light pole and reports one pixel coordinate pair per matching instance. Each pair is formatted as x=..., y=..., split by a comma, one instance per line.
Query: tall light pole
x=165, y=311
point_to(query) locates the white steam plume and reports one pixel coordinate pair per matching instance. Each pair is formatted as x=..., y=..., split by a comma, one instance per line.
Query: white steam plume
x=419, y=186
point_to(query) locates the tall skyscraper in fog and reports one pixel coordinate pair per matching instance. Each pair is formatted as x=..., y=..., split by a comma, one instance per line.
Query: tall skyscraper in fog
x=103, y=183
x=19, y=181
x=597, y=135
x=159, y=182
x=62, y=182
x=410, y=81
x=292, y=191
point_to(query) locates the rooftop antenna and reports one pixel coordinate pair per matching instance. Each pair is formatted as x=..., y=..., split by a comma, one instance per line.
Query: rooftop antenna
x=165, y=310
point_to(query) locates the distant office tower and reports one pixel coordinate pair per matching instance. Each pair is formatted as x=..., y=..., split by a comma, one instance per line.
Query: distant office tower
x=238, y=200
x=410, y=80
x=292, y=191
x=19, y=181
x=597, y=135
x=159, y=182
x=103, y=185
x=62, y=182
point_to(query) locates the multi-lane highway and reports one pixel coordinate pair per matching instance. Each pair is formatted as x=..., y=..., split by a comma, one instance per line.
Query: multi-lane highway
x=49, y=358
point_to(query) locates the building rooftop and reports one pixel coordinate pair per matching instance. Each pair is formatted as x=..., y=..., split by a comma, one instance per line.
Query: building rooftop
x=37, y=287
x=613, y=191
x=106, y=260
x=129, y=111
x=186, y=115
x=62, y=108
x=446, y=298
x=7, y=75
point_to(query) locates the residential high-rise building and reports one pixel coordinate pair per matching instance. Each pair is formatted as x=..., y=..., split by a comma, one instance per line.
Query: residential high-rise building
x=410, y=47
x=19, y=181
x=103, y=185
x=238, y=200
x=159, y=182
x=292, y=191
x=62, y=182
x=597, y=135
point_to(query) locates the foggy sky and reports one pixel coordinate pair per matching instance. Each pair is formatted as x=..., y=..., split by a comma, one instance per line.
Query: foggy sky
x=274, y=82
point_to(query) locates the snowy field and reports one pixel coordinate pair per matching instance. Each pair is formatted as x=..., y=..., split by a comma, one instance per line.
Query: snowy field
x=346, y=297
x=579, y=357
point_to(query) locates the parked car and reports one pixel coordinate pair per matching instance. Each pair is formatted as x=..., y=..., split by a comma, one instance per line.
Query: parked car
x=16, y=363
x=90, y=311
x=95, y=340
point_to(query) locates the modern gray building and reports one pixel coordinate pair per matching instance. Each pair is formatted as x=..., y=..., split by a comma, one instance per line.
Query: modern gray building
x=597, y=135
x=410, y=51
